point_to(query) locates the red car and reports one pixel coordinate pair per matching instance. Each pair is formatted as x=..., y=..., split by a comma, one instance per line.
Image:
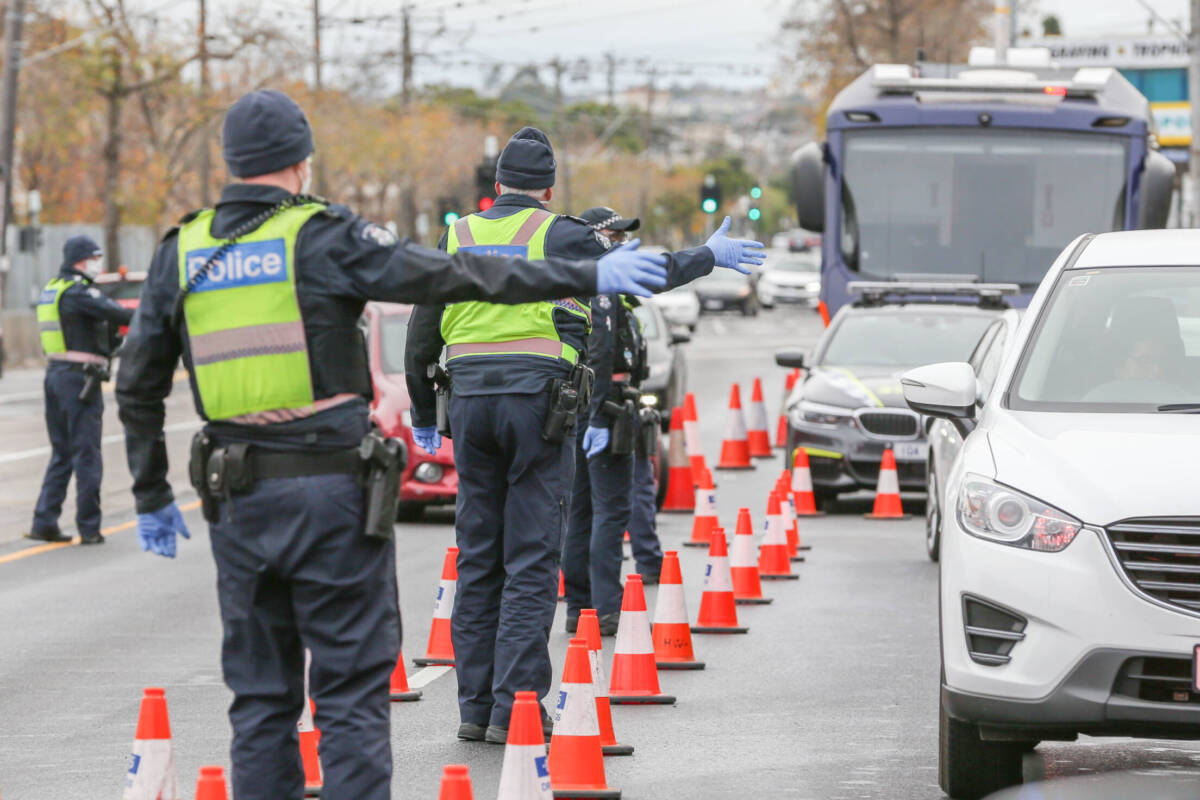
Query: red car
x=122, y=286
x=427, y=480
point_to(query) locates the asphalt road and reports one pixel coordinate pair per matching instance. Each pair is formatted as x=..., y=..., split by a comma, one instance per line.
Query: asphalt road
x=832, y=694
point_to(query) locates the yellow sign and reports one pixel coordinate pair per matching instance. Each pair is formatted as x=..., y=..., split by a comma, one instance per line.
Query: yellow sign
x=1174, y=123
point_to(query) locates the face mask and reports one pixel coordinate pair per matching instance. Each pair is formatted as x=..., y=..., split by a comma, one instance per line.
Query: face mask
x=306, y=181
x=93, y=266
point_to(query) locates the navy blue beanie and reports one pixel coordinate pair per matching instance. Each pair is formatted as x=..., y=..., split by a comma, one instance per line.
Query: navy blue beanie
x=265, y=131
x=80, y=248
x=527, y=161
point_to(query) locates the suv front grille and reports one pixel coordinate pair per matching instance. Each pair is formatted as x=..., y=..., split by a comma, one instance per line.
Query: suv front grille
x=1157, y=679
x=992, y=631
x=1161, y=556
x=897, y=424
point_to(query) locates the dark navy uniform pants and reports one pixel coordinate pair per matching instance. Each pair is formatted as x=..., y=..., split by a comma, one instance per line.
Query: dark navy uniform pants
x=600, y=508
x=295, y=571
x=643, y=531
x=74, y=426
x=513, y=491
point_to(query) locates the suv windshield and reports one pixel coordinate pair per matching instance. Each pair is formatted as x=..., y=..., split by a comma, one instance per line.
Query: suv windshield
x=907, y=338
x=1122, y=339
x=796, y=264
x=393, y=333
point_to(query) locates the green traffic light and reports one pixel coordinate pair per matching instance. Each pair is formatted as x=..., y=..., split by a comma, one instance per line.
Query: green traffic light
x=450, y=218
x=755, y=192
x=708, y=205
x=754, y=214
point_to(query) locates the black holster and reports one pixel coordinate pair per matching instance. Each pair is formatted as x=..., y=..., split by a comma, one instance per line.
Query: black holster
x=442, y=387
x=623, y=438
x=202, y=448
x=384, y=460
x=94, y=375
x=651, y=428
x=567, y=398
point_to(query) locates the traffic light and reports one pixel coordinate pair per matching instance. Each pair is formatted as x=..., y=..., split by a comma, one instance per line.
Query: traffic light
x=710, y=195
x=448, y=210
x=485, y=184
x=755, y=192
x=754, y=214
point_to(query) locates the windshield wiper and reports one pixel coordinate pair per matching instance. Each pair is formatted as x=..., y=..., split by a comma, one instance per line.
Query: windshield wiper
x=1180, y=408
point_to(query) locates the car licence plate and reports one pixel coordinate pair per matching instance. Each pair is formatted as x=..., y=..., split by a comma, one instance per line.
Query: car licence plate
x=911, y=451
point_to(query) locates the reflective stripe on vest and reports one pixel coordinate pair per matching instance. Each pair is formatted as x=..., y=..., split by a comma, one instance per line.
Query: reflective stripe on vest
x=474, y=329
x=48, y=317
x=245, y=333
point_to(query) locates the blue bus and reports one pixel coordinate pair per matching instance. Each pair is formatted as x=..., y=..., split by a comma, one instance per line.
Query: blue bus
x=968, y=172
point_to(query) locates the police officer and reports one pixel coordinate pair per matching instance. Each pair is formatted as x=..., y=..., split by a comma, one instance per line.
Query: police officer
x=261, y=297
x=77, y=326
x=516, y=386
x=642, y=527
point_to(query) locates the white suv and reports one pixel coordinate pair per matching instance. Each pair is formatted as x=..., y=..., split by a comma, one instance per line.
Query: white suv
x=1070, y=553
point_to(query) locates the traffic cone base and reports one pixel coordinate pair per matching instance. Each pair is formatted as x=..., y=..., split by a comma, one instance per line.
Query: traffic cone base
x=754, y=601
x=791, y=576
x=587, y=793
x=617, y=749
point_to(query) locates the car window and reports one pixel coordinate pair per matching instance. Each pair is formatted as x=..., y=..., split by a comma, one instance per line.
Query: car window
x=793, y=264
x=907, y=338
x=649, y=320
x=393, y=334
x=1114, y=340
x=989, y=365
x=981, y=350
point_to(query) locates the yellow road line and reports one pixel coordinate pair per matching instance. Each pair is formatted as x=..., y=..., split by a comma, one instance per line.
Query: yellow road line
x=46, y=548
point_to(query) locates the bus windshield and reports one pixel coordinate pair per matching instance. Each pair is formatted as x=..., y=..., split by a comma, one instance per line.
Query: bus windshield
x=995, y=203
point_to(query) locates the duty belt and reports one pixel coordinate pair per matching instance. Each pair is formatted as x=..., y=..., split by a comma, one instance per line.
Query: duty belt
x=77, y=357
x=514, y=347
x=297, y=465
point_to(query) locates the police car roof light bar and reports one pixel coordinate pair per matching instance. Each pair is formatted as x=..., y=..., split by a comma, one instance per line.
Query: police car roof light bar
x=874, y=293
x=1088, y=82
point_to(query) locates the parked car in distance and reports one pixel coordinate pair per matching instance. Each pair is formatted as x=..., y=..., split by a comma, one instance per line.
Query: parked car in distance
x=792, y=278
x=427, y=480
x=724, y=289
x=680, y=306
x=122, y=286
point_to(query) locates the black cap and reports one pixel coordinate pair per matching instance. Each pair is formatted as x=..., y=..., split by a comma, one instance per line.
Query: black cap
x=604, y=218
x=80, y=248
x=527, y=161
x=265, y=131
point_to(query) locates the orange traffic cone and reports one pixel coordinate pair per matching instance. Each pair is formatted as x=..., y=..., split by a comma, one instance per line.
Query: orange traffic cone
x=634, y=674
x=399, y=687
x=757, y=437
x=718, y=611
x=691, y=436
x=802, y=486
x=589, y=631
x=782, y=426
x=784, y=489
x=211, y=784
x=672, y=636
x=562, y=586
x=440, y=649
x=774, y=564
x=576, y=757
x=887, y=490
x=747, y=588
x=705, y=518
x=151, y=773
x=525, y=774
x=735, y=450
x=679, y=470
x=456, y=783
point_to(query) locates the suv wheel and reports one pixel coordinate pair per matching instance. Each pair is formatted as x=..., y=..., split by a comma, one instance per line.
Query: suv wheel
x=969, y=767
x=933, y=515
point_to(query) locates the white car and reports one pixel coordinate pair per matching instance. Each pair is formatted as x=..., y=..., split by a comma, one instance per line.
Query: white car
x=680, y=306
x=1070, y=552
x=946, y=435
x=792, y=278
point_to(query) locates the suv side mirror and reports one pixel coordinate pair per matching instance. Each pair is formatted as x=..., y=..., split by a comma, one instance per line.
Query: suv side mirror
x=790, y=358
x=680, y=336
x=941, y=390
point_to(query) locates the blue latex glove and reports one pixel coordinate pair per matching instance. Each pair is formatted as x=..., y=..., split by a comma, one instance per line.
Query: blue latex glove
x=428, y=439
x=733, y=253
x=594, y=441
x=623, y=270
x=156, y=530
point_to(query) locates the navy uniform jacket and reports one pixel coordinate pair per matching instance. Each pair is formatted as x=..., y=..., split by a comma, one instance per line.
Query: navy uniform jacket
x=82, y=309
x=342, y=261
x=568, y=237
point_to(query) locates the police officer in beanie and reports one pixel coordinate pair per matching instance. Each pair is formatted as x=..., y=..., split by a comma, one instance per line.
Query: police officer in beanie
x=518, y=382
x=261, y=298
x=77, y=326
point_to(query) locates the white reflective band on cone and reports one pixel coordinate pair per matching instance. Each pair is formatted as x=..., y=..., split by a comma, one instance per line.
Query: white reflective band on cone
x=575, y=711
x=598, y=683
x=889, y=482
x=691, y=437
x=716, y=575
x=801, y=479
x=669, y=606
x=706, y=503
x=735, y=426
x=443, y=604
x=758, y=417
x=525, y=774
x=775, y=530
x=151, y=773
x=742, y=554
x=633, y=634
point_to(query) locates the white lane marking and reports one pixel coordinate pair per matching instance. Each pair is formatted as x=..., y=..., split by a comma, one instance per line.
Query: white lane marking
x=20, y=397
x=719, y=327
x=21, y=455
x=427, y=675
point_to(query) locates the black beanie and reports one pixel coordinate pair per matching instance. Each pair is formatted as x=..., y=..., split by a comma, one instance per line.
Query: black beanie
x=79, y=248
x=527, y=161
x=265, y=131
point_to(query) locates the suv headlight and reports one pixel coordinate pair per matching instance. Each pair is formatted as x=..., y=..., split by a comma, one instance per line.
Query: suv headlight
x=406, y=418
x=809, y=413
x=995, y=512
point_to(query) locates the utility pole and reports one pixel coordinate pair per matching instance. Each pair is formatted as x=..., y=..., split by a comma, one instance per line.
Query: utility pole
x=318, y=172
x=205, y=166
x=610, y=76
x=406, y=55
x=1000, y=34
x=8, y=106
x=560, y=67
x=1194, y=97
x=647, y=134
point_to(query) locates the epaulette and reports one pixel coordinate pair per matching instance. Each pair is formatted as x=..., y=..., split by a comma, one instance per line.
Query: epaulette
x=337, y=211
x=184, y=220
x=582, y=222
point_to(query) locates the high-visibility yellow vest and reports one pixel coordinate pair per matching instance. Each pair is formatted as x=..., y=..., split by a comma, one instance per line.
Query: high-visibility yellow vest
x=49, y=318
x=245, y=333
x=473, y=328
